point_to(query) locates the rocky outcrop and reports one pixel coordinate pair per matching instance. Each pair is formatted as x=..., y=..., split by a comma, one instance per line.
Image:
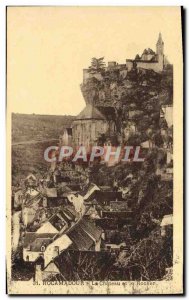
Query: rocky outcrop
x=136, y=96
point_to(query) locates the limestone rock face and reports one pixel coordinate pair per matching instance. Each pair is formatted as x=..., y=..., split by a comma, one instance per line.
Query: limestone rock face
x=134, y=95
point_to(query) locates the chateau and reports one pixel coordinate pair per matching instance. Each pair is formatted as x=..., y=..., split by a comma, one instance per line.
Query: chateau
x=149, y=59
x=102, y=90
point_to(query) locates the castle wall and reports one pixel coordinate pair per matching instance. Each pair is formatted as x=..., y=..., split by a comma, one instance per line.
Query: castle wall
x=129, y=64
x=156, y=66
x=87, y=75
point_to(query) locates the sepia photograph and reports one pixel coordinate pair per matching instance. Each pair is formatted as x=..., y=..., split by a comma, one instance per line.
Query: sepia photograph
x=94, y=150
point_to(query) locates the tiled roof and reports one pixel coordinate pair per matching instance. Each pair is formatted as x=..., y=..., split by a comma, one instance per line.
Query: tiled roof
x=90, y=112
x=148, y=51
x=31, y=176
x=38, y=243
x=108, y=112
x=68, y=261
x=58, y=221
x=83, y=234
x=32, y=237
x=91, y=229
x=80, y=238
x=108, y=196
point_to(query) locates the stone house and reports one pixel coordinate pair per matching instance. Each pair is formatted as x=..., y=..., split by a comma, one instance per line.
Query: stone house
x=61, y=268
x=59, y=222
x=31, y=181
x=34, y=245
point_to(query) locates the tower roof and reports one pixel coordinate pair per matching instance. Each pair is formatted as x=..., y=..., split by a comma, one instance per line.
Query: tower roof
x=90, y=112
x=160, y=40
x=148, y=51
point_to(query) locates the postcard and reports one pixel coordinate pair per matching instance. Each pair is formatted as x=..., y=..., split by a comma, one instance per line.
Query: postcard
x=94, y=150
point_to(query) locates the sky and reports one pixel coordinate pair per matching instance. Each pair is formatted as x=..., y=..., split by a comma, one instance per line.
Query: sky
x=48, y=48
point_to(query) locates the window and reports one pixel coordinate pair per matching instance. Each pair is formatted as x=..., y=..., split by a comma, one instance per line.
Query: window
x=43, y=247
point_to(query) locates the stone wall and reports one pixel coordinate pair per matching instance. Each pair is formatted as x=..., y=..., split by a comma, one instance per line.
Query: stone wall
x=86, y=132
x=87, y=75
x=156, y=66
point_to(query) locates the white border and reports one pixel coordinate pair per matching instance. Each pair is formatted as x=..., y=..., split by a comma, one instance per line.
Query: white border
x=3, y=5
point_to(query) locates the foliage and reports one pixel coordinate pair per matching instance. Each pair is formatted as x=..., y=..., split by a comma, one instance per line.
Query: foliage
x=148, y=259
x=97, y=65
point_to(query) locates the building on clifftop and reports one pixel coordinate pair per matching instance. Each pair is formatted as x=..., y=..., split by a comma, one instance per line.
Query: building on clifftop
x=149, y=59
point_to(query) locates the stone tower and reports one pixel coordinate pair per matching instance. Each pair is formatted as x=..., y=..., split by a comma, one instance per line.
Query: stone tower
x=160, y=46
x=160, y=52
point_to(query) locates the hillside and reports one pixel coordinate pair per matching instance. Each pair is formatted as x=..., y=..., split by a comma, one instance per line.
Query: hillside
x=38, y=127
x=31, y=135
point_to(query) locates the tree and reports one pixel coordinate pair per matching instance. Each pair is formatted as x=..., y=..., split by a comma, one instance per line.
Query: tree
x=97, y=65
x=148, y=259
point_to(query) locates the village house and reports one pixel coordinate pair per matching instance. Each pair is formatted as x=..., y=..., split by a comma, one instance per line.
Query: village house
x=52, y=202
x=85, y=235
x=28, y=215
x=51, y=198
x=167, y=225
x=31, y=181
x=121, y=217
x=91, y=211
x=61, y=268
x=31, y=207
x=59, y=222
x=107, y=223
x=82, y=236
x=105, y=197
x=54, y=249
x=89, y=190
x=32, y=191
x=34, y=245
